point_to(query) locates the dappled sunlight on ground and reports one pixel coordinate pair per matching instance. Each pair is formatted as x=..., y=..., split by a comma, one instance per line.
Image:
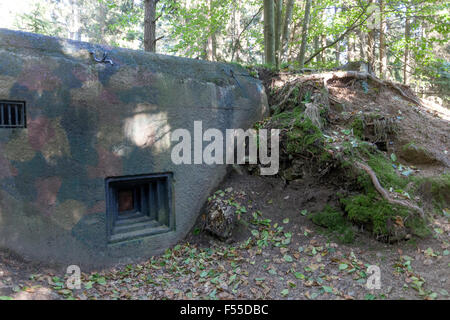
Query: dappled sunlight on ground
x=436, y=109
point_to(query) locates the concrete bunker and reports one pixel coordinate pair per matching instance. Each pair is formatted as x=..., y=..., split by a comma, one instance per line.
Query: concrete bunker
x=86, y=175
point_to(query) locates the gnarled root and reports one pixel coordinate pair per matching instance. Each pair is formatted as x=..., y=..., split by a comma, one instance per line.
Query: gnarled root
x=325, y=77
x=384, y=193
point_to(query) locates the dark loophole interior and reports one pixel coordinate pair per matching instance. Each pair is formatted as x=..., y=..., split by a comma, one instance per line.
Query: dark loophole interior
x=126, y=200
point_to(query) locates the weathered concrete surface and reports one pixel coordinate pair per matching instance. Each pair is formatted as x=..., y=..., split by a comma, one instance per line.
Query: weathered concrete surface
x=87, y=121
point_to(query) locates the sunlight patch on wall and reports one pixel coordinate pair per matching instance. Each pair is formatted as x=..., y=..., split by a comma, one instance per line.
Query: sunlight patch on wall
x=148, y=130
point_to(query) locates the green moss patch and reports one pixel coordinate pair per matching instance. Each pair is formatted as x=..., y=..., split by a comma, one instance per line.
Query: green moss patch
x=381, y=217
x=358, y=127
x=332, y=219
x=435, y=191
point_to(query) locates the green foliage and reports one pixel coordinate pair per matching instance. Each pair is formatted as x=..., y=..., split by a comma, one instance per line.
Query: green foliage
x=368, y=210
x=38, y=21
x=358, y=127
x=119, y=21
x=383, y=169
x=380, y=215
x=303, y=136
x=233, y=31
x=194, y=25
x=333, y=220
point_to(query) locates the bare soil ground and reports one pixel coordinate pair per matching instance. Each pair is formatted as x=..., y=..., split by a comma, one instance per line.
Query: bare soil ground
x=310, y=265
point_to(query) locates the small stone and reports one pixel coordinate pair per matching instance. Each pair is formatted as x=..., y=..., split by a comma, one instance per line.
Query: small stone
x=220, y=219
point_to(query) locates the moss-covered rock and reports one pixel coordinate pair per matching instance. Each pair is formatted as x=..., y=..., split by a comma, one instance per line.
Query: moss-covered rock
x=386, y=221
x=435, y=191
x=416, y=154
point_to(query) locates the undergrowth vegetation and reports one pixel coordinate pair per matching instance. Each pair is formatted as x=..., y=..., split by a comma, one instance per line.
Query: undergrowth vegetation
x=339, y=148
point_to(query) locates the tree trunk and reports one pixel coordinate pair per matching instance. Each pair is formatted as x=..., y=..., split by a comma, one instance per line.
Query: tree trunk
x=301, y=56
x=269, y=32
x=74, y=25
x=322, y=54
x=209, y=49
x=236, y=54
x=362, y=45
x=350, y=49
x=210, y=53
x=371, y=48
x=405, y=62
x=287, y=22
x=316, y=48
x=383, y=61
x=278, y=27
x=290, y=54
x=150, y=26
x=337, y=51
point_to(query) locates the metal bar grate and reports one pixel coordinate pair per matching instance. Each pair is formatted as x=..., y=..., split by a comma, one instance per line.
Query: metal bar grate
x=12, y=114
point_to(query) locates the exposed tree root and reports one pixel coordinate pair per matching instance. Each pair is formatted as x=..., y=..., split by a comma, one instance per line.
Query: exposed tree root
x=360, y=76
x=325, y=77
x=384, y=193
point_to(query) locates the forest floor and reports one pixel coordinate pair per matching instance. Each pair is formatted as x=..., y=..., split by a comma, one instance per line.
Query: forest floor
x=303, y=261
x=276, y=251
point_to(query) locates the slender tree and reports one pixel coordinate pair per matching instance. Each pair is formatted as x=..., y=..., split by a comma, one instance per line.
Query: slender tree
x=371, y=47
x=236, y=49
x=362, y=45
x=383, y=57
x=337, y=49
x=269, y=32
x=406, y=56
x=287, y=21
x=150, y=25
x=211, y=44
x=278, y=27
x=316, y=47
x=301, y=56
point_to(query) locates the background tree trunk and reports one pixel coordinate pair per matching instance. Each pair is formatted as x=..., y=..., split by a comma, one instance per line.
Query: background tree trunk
x=75, y=32
x=316, y=48
x=322, y=54
x=150, y=25
x=301, y=56
x=237, y=31
x=371, y=48
x=278, y=28
x=362, y=45
x=350, y=49
x=405, y=62
x=383, y=61
x=210, y=50
x=269, y=32
x=337, y=51
x=287, y=22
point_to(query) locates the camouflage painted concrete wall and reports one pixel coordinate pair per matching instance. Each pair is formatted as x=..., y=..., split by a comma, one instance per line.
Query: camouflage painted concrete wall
x=87, y=121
